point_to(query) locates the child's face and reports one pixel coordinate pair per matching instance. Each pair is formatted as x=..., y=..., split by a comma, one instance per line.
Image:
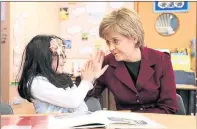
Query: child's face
x=58, y=52
x=60, y=67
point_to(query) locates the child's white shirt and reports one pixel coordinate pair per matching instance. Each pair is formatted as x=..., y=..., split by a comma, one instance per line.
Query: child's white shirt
x=50, y=99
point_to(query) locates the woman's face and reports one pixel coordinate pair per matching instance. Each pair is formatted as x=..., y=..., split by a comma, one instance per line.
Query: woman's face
x=120, y=46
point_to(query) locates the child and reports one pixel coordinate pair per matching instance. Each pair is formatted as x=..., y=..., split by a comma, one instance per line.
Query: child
x=44, y=83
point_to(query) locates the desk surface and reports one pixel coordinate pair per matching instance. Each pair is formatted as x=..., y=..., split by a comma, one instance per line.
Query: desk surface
x=41, y=121
x=174, y=121
x=185, y=87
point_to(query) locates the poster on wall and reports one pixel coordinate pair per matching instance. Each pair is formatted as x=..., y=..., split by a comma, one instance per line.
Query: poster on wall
x=96, y=11
x=94, y=32
x=78, y=11
x=95, y=18
x=168, y=6
x=64, y=13
x=84, y=36
x=2, y=11
x=68, y=44
x=85, y=50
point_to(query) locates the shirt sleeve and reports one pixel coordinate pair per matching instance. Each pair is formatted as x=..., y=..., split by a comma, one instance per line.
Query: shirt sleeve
x=45, y=91
x=97, y=90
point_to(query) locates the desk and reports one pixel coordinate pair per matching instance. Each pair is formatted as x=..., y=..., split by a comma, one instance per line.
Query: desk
x=41, y=121
x=185, y=87
x=169, y=121
x=174, y=121
x=192, y=99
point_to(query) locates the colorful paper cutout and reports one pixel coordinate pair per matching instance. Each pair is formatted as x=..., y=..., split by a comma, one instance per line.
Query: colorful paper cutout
x=68, y=44
x=84, y=36
x=3, y=11
x=78, y=11
x=85, y=50
x=64, y=13
x=74, y=29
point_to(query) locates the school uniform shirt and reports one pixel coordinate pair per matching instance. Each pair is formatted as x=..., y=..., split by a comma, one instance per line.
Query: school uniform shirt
x=50, y=99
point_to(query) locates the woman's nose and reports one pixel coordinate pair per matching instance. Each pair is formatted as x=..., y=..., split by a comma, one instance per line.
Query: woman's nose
x=111, y=47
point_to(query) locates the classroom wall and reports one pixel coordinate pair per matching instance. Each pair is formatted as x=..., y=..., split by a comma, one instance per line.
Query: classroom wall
x=24, y=20
x=85, y=21
x=28, y=19
x=44, y=18
x=5, y=55
x=181, y=39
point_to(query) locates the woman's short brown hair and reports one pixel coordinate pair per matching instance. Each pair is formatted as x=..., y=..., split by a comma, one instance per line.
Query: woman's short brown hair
x=125, y=22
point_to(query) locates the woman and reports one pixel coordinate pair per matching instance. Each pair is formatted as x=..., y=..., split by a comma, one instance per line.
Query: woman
x=44, y=83
x=140, y=78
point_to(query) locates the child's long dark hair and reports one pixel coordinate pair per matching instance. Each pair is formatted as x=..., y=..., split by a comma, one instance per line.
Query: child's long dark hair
x=38, y=61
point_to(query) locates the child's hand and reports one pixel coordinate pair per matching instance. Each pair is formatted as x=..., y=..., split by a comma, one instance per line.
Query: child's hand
x=88, y=73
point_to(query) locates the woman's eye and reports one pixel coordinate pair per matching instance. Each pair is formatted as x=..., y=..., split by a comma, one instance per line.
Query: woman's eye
x=115, y=41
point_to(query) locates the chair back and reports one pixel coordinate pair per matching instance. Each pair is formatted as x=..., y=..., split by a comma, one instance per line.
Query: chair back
x=93, y=104
x=181, y=106
x=188, y=78
x=5, y=109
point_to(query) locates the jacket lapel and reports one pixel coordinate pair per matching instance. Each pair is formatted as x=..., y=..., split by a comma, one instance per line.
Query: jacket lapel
x=123, y=75
x=146, y=70
x=145, y=73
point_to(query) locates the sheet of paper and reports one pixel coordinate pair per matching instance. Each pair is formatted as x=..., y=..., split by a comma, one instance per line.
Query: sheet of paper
x=74, y=29
x=94, y=31
x=3, y=13
x=78, y=11
x=85, y=50
x=95, y=17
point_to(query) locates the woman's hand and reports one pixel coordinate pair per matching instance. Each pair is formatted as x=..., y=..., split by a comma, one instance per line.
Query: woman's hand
x=98, y=62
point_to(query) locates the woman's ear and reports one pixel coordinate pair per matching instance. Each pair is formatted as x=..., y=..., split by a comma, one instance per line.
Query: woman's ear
x=135, y=40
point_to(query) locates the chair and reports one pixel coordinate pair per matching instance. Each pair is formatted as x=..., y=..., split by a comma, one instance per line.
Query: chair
x=93, y=104
x=181, y=106
x=183, y=77
x=5, y=109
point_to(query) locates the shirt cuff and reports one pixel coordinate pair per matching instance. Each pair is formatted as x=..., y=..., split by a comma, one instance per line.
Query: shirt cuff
x=89, y=83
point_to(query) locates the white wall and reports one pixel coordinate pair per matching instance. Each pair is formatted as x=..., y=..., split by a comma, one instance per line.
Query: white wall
x=28, y=19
